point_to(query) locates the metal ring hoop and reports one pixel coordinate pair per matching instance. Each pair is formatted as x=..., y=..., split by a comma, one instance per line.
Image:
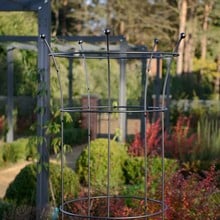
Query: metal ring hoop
x=140, y=216
x=115, y=54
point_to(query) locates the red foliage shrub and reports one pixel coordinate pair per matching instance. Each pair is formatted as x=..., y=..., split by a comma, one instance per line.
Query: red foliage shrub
x=118, y=207
x=189, y=198
x=2, y=124
x=153, y=140
x=180, y=142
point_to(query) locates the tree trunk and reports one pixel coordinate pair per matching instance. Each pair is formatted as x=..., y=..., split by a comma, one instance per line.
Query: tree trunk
x=189, y=48
x=207, y=10
x=182, y=28
x=188, y=54
x=55, y=9
x=63, y=21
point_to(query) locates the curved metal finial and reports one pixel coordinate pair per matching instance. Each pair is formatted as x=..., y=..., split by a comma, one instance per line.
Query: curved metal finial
x=156, y=42
x=182, y=36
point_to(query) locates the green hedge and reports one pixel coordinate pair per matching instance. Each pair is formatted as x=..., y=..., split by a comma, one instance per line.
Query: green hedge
x=18, y=150
x=73, y=136
x=15, y=151
x=134, y=173
x=5, y=209
x=133, y=169
x=99, y=164
x=22, y=190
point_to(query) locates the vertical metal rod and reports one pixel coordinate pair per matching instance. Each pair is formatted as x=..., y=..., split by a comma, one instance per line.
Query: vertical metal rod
x=145, y=120
x=70, y=77
x=143, y=82
x=157, y=86
x=169, y=61
x=165, y=85
x=122, y=91
x=88, y=123
x=107, y=33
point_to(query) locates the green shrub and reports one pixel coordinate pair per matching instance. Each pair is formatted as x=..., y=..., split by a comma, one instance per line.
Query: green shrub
x=15, y=151
x=5, y=208
x=134, y=172
x=134, y=168
x=208, y=140
x=189, y=85
x=99, y=164
x=73, y=136
x=10, y=211
x=23, y=189
x=31, y=147
x=6, y=152
x=18, y=150
x=155, y=172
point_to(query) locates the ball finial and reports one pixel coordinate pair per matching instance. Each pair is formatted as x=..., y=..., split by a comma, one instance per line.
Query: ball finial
x=156, y=41
x=182, y=35
x=42, y=36
x=107, y=31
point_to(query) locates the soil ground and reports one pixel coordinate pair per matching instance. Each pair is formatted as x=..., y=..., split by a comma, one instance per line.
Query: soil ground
x=8, y=174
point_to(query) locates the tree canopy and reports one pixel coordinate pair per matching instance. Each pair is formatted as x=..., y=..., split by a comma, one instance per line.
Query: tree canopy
x=140, y=22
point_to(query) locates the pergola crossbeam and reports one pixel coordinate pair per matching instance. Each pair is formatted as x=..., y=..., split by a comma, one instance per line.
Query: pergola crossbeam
x=22, y=5
x=21, y=39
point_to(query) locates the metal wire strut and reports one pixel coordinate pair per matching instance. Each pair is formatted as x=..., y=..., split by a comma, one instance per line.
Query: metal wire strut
x=85, y=203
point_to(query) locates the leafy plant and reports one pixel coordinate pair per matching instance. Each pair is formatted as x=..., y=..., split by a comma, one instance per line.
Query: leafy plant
x=74, y=135
x=17, y=150
x=99, y=207
x=153, y=140
x=5, y=208
x=190, y=85
x=207, y=147
x=189, y=197
x=134, y=172
x=23, y=189
x=99, y=162
x=53, y=129
x=72, y=132
x=180, y=142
